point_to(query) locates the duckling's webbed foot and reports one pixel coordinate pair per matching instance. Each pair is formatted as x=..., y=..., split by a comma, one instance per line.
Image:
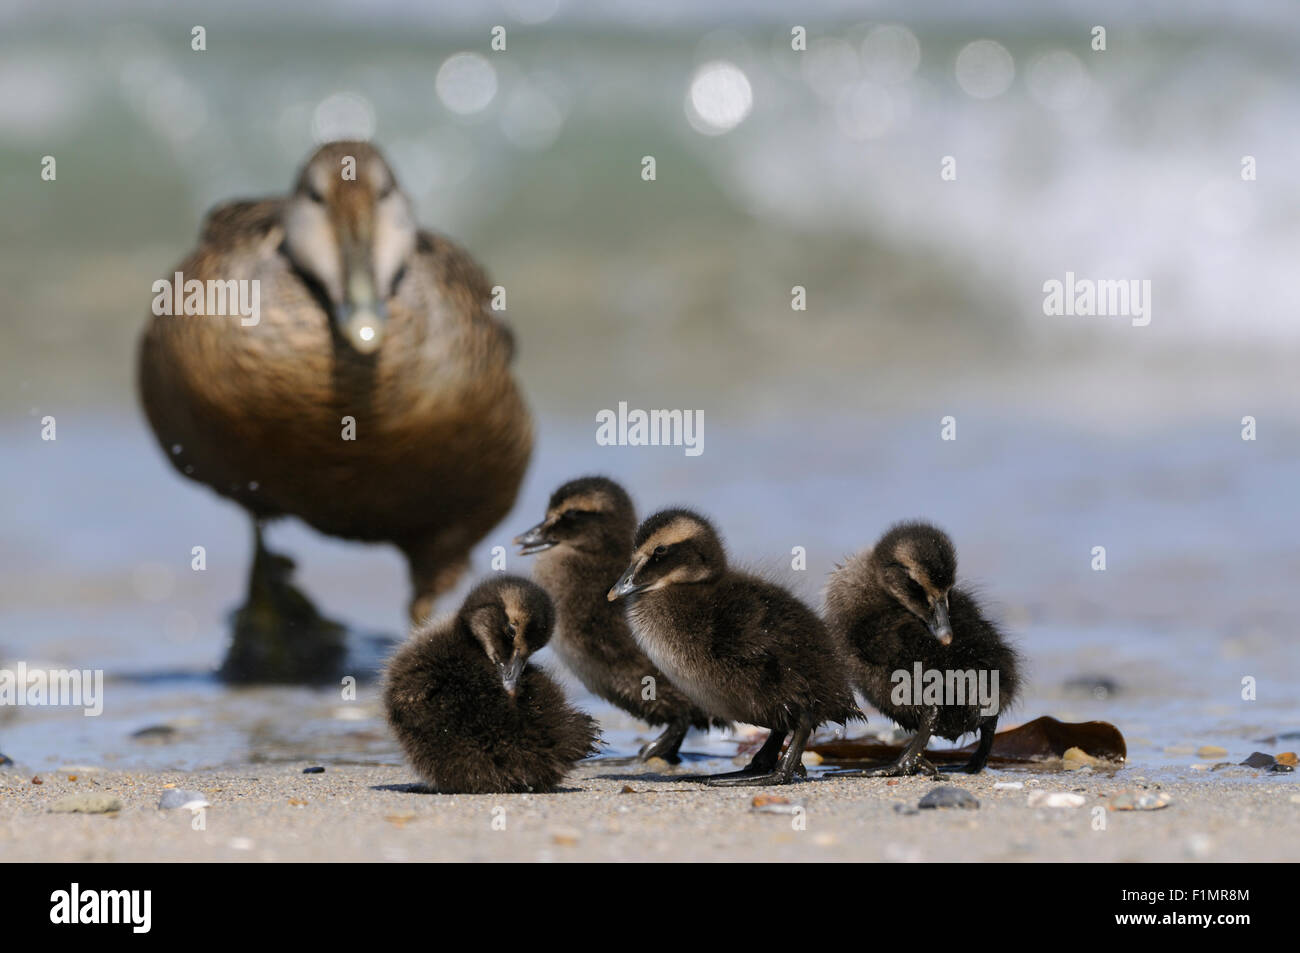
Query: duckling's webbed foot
x=279, y=636
x=784, y=771
x=988, y=728
x=911, y=761
x=902, y=768
x=763, y=762
x=666, y=745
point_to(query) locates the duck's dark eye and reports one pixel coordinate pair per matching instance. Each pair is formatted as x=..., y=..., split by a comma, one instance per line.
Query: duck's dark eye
x=660, y=550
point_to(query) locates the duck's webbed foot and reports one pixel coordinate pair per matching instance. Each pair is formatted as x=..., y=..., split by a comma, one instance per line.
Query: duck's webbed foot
x=911, y=761
x=278, y=634
x=783, y=772
x=435, y=565
x=904, y=767
x=666, y=745
x=988, y=728
x=763, y=762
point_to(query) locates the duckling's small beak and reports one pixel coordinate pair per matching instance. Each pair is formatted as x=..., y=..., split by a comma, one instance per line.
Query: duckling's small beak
x=626, y=585
x=940, y=626
x=534, y=540
x=510, y=672
x=362, y=316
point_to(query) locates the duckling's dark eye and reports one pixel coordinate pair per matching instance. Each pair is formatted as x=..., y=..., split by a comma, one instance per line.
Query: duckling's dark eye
x=315, y=196
x=660, y=550
x=915, y=591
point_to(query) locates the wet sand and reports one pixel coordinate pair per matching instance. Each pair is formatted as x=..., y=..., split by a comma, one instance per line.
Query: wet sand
x=368, y=813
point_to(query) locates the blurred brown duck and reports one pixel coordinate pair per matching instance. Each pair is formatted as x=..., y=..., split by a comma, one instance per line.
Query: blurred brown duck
x=362, y=316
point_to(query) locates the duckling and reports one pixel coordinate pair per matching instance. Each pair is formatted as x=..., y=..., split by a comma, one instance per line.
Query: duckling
x=740, y=647
x=471, y=714
x=586, y=541
x=369, y=393
x=895, y=607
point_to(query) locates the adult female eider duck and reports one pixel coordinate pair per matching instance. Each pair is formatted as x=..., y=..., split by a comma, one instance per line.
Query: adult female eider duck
x=370, y=396
x=470, y=712
x=585, y=543
x=740, y=647
x=895, y=606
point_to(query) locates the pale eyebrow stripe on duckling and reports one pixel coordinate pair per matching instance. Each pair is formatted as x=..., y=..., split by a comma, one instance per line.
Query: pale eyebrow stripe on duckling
x=512, y=598
x=906, y=557
x=588, y=501
x=677, y=531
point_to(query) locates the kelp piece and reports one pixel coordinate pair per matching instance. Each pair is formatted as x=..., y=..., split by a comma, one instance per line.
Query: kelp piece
x=1043, y=739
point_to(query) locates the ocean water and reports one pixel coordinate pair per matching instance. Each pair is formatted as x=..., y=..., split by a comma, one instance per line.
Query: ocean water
x=822, y=426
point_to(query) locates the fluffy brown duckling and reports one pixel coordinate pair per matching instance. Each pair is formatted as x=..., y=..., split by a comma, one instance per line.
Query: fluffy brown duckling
x=896, y=607
x=740, y=647
x=585, y=543
x=470, y=712
x=370, y=395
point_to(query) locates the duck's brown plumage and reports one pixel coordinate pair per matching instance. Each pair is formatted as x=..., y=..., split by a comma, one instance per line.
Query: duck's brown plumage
x=256, y=413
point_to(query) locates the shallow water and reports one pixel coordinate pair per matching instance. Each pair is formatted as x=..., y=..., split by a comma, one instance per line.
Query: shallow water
x=821, y=427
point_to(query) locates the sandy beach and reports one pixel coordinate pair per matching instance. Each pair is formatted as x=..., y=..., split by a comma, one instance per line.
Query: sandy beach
x=620, y=813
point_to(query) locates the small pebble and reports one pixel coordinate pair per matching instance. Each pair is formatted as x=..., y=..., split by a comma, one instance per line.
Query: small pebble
x=180, y=798
x=811, y=759
x=37, y=781
x=297, y=802
x=627, y=789
x=1076, y=758
x=1055, y=799
x=659, y=764
x=905, y=809
x=1008, y=785
x=1260, y=759
x=315, y=769
x=1287, y=757
x=945, y=796
x=1139, y=801
x=154, y=733
x=774, y=804
x=1209, y=752
x=566, y=838
x=86, y=804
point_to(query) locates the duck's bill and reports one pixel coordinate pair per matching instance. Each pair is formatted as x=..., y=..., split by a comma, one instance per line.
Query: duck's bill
x=626, y=585
x=940, y=625
x=363, y=328
x=510, y=673
x=534, y=540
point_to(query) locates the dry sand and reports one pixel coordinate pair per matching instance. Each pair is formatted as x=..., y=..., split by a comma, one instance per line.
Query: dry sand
x=367, y=813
